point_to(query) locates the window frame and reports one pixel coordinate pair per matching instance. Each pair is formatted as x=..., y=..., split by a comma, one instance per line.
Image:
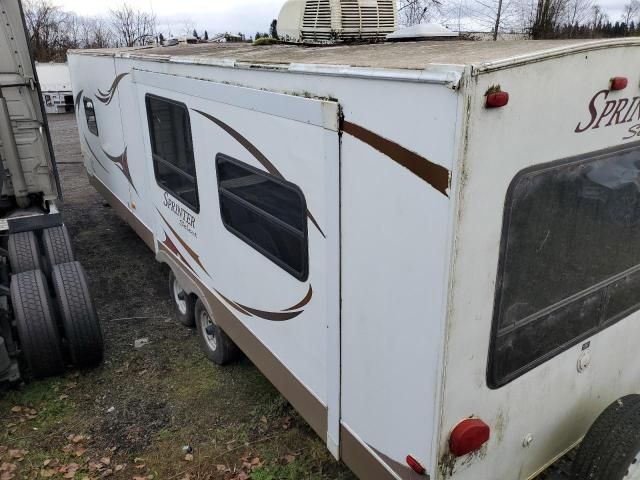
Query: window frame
x=86, y=100
x=155, y=159
x=603, y=322
x=303, y=275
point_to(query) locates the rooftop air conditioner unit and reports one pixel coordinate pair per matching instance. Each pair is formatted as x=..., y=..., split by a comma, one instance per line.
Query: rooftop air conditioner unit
x=329, y=21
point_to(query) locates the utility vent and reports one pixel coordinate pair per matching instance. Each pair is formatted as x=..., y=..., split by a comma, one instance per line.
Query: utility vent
x=328, y=21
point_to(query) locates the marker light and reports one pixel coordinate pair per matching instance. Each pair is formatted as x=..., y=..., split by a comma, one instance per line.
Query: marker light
x=415, y=465
x=619, y=83
x=497, y=99
x=468, y=436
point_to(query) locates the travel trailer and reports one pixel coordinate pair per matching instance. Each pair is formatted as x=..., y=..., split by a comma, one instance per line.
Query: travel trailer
x=55, y=84
x=430, y=248
x=47, y=317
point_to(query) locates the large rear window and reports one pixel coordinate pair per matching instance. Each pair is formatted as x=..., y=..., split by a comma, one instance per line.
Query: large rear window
x=570, y=258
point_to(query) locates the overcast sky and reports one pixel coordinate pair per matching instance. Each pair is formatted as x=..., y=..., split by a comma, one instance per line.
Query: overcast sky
x=247, y=16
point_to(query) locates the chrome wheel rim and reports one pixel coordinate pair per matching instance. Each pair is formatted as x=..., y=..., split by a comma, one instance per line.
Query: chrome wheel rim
x=633, y=473
x=181, y=304
x=205, y=322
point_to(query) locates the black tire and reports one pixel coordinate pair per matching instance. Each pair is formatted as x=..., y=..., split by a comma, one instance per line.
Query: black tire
x=609, y=442
x=78, y=314
x=35, y=321
x=184, y=312
x=217, y=345
x=57, y=246
x=24, y=252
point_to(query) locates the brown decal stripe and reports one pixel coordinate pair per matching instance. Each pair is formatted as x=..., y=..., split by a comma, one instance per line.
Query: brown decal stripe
x=78, y=97
x=95, y=157
x=282, y=316
x=122, y=162
x=190, y=251
x=257, y=154
x=435, y=175
x=360, y=459
x=107, y=97
x=173, y=249
x=402, y=470
x=304, y=302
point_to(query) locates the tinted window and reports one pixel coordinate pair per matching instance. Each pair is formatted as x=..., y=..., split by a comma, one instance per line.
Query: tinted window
x=172, y=149
x=570, y=259
x=267, y=213
x=90, y=113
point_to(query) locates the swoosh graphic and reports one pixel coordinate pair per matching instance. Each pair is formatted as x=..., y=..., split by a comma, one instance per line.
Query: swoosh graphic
x=107, y=97
x=95, y=157
x=435, y=175
x=189, y=250
x=273, y=316
x=257, y=154
x=123, y=163
x=78, y=97
x=168, y=243
x=303, y=302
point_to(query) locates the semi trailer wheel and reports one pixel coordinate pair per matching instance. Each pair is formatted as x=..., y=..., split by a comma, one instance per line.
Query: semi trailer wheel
x=217, y=346
x=24, y=252
x=78, y=314
x=183, y=303
x=611, y=448
x=57, y=246
x=36, y=324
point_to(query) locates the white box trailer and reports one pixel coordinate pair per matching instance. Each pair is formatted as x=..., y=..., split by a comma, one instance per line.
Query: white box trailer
x=47, y=317
x=55, y=84
x=429, y=248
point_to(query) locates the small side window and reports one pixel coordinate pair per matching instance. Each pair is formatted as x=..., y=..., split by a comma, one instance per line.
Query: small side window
x=172, y=149
x=90, y=112
x=266, y=212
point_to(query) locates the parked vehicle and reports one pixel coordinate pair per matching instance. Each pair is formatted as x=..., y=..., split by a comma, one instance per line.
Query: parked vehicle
x=398, y=236
x=47, y=317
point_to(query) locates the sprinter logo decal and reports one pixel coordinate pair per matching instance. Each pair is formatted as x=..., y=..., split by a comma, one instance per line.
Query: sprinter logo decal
x=107, y=97
x=284, y=315
x=435, y=175
x=185, y=217
x=93, y=154
x=605, y=113
x=123, y=163
x=190, y=251
x=257, y=154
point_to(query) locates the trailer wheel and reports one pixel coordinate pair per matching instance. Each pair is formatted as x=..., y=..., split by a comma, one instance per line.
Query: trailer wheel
x=78, y=314
x=24, y=253
x=57, y=246
x=36, y=325
x=611, y=448
x=183, y=303
x=217, y=346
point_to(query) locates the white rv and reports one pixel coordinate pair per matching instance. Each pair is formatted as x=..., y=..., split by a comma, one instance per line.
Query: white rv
x=55, y=84
x=430, y=248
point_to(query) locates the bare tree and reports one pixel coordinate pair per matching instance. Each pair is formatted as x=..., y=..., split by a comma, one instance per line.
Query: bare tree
x=412, y=12
x=132, y=27
x=492, y=15
x=578, y=12
x=631, y=11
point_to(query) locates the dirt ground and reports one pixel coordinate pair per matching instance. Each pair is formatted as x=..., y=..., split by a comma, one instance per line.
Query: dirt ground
x=161, y=411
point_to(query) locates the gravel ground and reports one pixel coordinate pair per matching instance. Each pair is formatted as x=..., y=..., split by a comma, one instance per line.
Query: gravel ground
x=131, y=417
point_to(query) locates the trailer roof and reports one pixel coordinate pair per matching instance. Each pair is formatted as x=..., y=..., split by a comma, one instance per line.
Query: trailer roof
x=404, y=55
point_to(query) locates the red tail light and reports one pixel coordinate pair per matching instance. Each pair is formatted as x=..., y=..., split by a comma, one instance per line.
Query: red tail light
x=619, y=83
x=468, y=436
x=415, y=465
x=497, y=99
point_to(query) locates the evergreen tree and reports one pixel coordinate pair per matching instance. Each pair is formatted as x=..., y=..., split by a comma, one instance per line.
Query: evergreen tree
x=195, y=33
x=206, y=35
